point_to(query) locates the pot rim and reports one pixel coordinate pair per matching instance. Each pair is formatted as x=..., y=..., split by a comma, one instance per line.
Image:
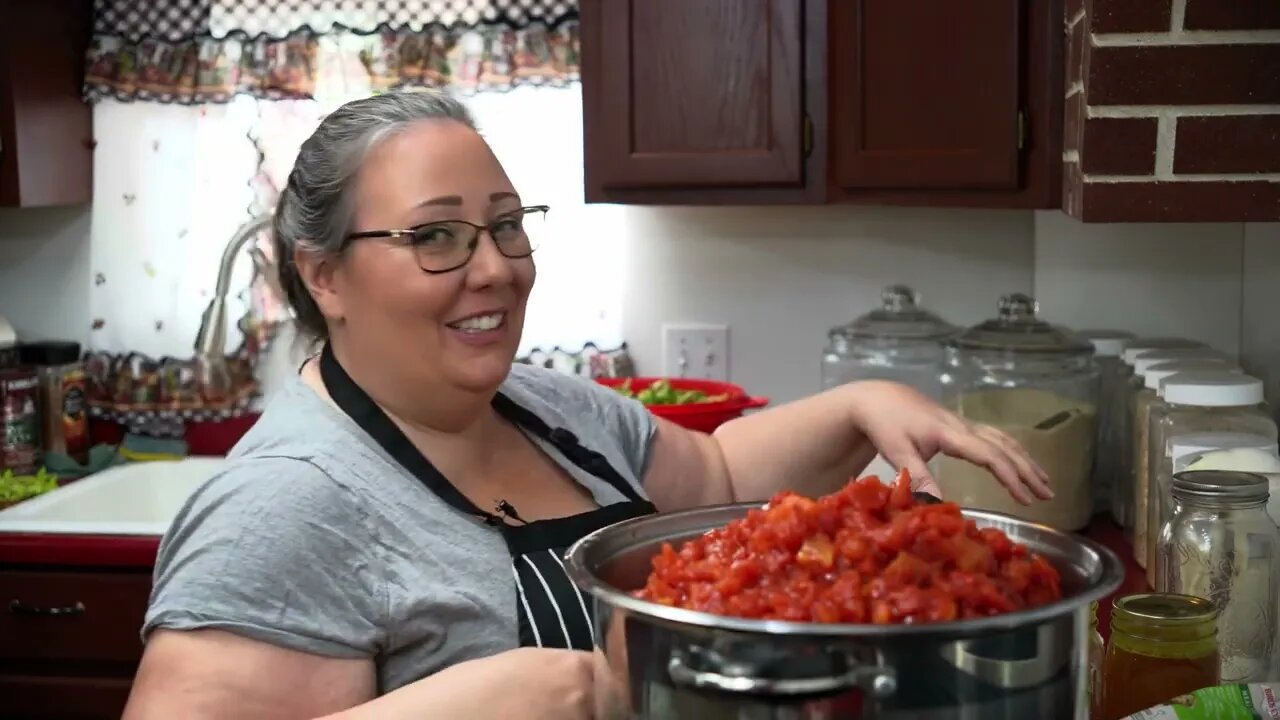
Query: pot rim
x=1111, y=577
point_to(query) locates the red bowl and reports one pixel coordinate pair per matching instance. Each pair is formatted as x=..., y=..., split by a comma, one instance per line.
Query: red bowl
x=704, y=416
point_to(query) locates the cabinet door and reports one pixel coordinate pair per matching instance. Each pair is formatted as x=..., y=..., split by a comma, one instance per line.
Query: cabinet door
x=925, y=94
x=69, y=617
x=692, y=93
x=46, y=132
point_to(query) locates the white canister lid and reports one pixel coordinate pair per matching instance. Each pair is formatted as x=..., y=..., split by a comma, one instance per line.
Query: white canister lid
x=1186, y=449
x=1213, y=389
x=1136, y=347
x=1148, y=358
x=1107, y=343
x=1155, y=375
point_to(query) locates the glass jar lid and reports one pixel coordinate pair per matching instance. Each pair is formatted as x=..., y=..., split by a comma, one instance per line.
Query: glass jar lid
x=1164, y=616
x=1220, y=485
x=899, y=317
x=1017, y=329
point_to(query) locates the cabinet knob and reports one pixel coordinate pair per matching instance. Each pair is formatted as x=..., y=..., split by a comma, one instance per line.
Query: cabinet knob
x=17, y=607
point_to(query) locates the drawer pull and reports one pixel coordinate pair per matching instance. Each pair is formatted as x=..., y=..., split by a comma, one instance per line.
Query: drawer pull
x=17, y=607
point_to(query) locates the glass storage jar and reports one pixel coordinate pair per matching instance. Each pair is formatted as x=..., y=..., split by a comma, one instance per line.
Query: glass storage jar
x=1149, y=373
x=1107, y=347
x=1196, y=402
x=1122, y=494
x=1220, y=544
x=1162, y=645
x=1037, y=382
x=898, y=341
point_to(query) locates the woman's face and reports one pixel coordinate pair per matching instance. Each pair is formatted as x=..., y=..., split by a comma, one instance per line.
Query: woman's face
x=461, y=327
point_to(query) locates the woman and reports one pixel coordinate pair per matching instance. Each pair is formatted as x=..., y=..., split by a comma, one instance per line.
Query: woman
x=386, y=541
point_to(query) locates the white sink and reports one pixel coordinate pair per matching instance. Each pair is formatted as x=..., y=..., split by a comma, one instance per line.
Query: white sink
x=131, y=499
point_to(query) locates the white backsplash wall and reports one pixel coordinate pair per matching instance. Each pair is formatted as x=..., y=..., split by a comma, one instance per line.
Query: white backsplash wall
x=1152, y=279
x=44, y=272
x=781, y=277
x=1260, y=325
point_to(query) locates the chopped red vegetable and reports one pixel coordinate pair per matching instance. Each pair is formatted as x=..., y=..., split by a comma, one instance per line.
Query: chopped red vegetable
x=865, y=554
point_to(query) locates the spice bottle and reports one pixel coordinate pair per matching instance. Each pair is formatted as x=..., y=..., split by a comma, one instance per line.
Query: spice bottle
x=63, y=394
x=1162, y=645
x=20, y=418
x=1220, y=544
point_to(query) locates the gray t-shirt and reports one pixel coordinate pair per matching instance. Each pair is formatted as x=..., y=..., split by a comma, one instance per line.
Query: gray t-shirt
x=314, y=539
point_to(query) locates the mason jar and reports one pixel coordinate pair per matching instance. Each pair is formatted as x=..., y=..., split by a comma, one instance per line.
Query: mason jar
x=1219, y=544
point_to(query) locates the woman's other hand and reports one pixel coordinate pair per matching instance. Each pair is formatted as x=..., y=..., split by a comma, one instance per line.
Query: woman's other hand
x=908, y=429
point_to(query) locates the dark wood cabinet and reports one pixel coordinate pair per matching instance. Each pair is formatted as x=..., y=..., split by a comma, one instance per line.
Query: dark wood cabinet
x=695, y=96
x=791, y=101
x=46, y=134
x=70, y=644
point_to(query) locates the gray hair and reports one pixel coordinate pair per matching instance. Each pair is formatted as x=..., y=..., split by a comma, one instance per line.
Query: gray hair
x=315, y=211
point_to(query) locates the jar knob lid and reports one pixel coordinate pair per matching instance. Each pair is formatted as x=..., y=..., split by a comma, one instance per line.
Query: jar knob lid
x=1018, y=306
x=898, y=298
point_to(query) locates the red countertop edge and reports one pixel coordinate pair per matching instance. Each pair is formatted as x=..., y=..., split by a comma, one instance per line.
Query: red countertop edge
x=1104, y=531
x=98, y=551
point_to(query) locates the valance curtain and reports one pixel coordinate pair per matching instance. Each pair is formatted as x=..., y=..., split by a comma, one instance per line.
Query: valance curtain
x=208, y=51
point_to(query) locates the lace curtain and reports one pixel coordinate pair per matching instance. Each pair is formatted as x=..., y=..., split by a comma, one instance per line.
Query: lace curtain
x=172, y=184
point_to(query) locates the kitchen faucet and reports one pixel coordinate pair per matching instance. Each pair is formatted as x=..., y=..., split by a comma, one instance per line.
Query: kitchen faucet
x=210, y=346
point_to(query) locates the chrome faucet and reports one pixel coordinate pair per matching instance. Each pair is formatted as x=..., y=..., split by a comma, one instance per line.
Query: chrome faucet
x=211, y=341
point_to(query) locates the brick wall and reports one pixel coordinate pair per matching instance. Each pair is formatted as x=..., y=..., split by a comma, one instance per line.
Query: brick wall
x=1172, y=110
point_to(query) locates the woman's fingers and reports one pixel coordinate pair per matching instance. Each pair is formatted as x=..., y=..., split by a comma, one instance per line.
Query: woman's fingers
x=921, y=479
x=973, y=447
x=1031, y=472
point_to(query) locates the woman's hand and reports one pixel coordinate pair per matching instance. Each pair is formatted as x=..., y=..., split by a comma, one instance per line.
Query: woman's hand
x=908, y=429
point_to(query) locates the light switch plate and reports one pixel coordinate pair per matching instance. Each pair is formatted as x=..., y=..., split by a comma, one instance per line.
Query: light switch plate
x=695, y=350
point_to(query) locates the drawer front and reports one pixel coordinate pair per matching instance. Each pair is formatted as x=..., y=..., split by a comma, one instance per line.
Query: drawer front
x=36, y=697
x=72, y=615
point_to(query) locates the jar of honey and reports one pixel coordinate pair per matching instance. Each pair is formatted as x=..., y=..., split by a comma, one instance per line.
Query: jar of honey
x=1162, y=645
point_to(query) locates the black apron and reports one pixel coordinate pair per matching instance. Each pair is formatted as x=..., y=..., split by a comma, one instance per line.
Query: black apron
x=552, y=612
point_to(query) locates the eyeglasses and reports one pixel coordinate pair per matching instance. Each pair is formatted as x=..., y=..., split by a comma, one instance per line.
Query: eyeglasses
x=442, y=247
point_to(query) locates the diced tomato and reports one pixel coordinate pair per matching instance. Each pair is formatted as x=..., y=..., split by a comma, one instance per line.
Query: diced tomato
x=867, y=553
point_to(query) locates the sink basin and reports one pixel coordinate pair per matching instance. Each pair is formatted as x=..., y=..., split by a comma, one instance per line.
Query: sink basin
x=131, y=499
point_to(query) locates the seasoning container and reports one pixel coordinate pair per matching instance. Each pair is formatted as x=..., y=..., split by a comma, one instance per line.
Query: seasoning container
x=1162, y=645
x=1037, y=382
x=898, y=341
x=1107, y=347
x=1198, y=402
x=20, y=416
x=1122, y=494
x=1222, y=546
x=63, y=397
x=1149, y=406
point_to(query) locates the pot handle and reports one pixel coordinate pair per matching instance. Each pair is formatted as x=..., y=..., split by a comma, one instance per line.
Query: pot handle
x=879, y=681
